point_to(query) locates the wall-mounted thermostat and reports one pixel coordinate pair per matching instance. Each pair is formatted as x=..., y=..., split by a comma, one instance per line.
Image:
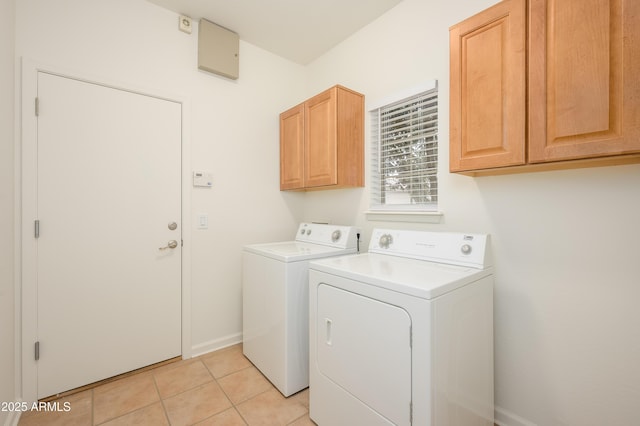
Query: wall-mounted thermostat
x=202, y=179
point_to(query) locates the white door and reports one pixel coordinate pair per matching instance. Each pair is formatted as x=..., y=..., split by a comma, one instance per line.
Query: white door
x=109, y=179
x=364, y=346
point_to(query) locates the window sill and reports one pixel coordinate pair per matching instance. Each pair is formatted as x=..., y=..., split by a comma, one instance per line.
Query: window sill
x=403, y=216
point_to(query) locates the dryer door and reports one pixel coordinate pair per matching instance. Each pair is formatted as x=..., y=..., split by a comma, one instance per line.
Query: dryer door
x=363, y=345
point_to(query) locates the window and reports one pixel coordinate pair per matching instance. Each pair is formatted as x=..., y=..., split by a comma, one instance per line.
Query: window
x=405, y=154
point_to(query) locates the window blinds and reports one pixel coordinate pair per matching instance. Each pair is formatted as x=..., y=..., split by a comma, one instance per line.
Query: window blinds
x=405, y=154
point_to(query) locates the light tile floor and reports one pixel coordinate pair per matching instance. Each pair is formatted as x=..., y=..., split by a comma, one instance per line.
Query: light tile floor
x=219, y=388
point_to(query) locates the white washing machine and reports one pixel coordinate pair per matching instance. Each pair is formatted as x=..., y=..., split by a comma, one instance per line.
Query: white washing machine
x=275, y=300
x=403, y=334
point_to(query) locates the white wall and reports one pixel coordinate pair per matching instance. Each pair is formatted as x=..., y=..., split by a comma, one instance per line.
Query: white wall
x=7, y=347
x=567, y=342
x=233, y=130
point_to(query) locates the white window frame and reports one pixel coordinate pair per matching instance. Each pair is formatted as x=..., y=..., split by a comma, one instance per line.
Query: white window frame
x=427, y=212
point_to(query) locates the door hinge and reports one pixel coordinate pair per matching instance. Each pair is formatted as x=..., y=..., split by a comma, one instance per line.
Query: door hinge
x=36, y=350
x=36, y=228
x=37, y=106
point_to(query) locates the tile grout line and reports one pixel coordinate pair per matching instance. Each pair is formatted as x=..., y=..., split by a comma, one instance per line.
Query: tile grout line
x=221, y=388
x=298, y=418
x=233, y=404
x=214, y=380
x=127, y=413
x=164, y=409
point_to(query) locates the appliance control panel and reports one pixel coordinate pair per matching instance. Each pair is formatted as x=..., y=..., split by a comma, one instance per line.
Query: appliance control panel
x=444, y=247
x=330, y=235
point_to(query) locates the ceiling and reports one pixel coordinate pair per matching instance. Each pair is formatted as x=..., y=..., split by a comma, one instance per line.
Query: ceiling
x=299, y=30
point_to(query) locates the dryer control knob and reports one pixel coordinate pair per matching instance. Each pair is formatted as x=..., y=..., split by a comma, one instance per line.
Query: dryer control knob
x=335, y=236
x=465, y=249
x=385, y=241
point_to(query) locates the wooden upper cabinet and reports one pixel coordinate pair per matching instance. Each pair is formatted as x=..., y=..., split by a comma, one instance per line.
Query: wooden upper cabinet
x=292, y=148
x=487, y=88
x=584, y=78
x=322, y=142
x=579, y=105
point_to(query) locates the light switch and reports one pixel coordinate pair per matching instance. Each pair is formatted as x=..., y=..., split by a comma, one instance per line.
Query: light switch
x=203, y=221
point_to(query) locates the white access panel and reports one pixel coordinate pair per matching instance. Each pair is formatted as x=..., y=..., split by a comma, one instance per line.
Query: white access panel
x=365, y=348
x=218, y=49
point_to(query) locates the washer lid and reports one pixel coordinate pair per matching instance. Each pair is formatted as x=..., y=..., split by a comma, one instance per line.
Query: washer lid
x=419, y=278
x=295, y=251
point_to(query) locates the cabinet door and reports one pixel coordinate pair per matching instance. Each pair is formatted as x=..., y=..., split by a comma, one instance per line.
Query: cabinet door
x=487, y=105
x=292, y=148
x=320, y=164
x=584, y=68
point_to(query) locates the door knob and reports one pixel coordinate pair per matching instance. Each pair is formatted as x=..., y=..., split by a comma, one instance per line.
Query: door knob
x=171, y=245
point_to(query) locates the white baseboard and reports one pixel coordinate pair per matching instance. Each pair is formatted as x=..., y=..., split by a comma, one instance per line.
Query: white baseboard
x=507, y=418
x=214, y=345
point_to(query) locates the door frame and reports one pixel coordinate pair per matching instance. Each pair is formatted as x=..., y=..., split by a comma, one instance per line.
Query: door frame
x=26, y=209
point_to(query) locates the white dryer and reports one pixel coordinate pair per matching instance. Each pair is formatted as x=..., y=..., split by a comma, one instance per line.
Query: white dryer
x=275, y=300
x=403, y=334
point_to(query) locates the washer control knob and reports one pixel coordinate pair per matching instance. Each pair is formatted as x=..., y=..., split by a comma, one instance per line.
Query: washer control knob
x=465, y=249
x=335, y=236
x=385, y=241
x=308, y=231
x=302, y=232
